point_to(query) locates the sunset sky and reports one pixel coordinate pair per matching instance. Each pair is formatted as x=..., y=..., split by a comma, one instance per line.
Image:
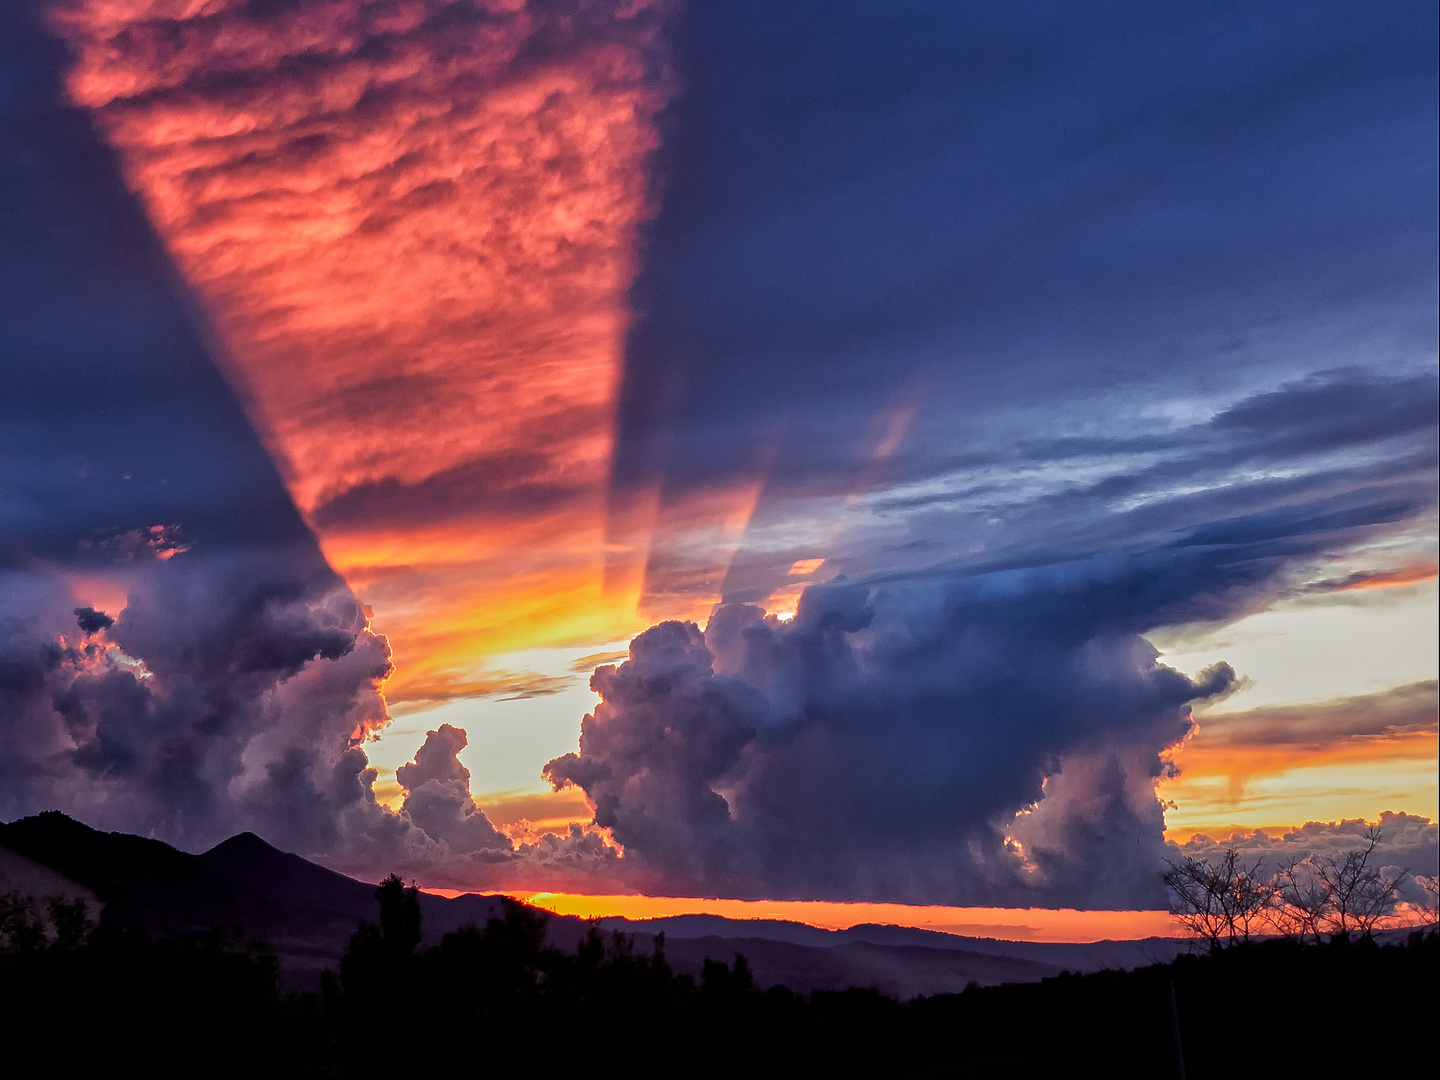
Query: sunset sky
x=945, y=454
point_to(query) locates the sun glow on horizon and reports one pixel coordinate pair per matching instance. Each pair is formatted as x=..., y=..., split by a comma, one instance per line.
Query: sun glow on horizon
x=1019, y=924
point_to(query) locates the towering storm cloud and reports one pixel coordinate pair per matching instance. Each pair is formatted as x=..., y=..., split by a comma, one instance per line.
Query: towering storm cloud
x=974, y=738
x=1095, y=322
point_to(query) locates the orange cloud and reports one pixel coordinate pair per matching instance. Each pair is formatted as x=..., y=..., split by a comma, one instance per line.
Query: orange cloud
x=527, y=817
x=1379, y=579
x=1255, y=767
x=413, y=228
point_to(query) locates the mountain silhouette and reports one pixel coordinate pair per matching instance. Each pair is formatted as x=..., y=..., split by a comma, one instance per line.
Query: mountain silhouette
x=248, y=862
x=307, y=914
x=141, y=882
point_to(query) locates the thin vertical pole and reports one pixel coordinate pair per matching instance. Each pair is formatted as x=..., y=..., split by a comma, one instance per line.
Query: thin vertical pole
x=1175, y=1031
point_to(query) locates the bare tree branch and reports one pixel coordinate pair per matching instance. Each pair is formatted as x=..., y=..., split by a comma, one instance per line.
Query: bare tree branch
x=1220, y=902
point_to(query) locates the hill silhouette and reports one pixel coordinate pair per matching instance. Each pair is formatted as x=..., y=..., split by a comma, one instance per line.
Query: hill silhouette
x=303, y=911
x=307, y=913
x=1090, y=956
x=142, y=882
x=92, y=996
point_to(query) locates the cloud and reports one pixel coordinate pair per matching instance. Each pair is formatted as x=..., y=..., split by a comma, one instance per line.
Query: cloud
x=526, y=818
x=1356, y=452
x=413, y=227
x=1125, y=274
x=587, y=664
x=881, y=744
x=437, y=794
x=411, y=224
x=228, y=677
x=1407, y=842
x=236, y=693
x=1384, y=735
x=1094, y=832
x=91, y=621
x=441, y=836
x=1374, y=579
x=1395, y=713
x=120, y=443
x=230, y=689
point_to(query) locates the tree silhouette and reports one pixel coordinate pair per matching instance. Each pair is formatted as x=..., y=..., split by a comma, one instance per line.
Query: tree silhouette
x=1325, y=894
x=1220, y=902
x=1430, y=910
x=381, y=957
x=399, y=915
x=1223, y=902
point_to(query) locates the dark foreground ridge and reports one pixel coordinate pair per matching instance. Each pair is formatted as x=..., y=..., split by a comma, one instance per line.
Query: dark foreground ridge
x=177, y=999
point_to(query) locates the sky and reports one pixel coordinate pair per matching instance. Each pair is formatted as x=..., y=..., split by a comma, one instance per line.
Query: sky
x=950, y=455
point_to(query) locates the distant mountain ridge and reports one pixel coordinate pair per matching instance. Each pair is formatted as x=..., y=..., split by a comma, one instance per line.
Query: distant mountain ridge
x=1073, y=956
x=307, y=913
x=304, y=911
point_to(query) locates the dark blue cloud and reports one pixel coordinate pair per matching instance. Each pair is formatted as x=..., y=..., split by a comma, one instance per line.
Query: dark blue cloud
x=91, y=621
x=114, y=416
x=1348, y=453
x=1203, y=231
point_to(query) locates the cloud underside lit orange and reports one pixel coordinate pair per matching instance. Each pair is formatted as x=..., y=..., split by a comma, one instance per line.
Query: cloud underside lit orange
x=527, y=817
x=1273, y=767
x=1405, y=575
x=413, y=237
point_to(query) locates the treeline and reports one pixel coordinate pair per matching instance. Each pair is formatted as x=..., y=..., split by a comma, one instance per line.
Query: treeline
x=83, y=996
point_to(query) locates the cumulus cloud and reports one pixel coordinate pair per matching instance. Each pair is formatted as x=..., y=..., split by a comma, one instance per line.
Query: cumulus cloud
x=442, y=836
x=881, y=744
x=437, y=794
x=1407, y=843
x=230, y=690
x=236, y=692
x=954, y=736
